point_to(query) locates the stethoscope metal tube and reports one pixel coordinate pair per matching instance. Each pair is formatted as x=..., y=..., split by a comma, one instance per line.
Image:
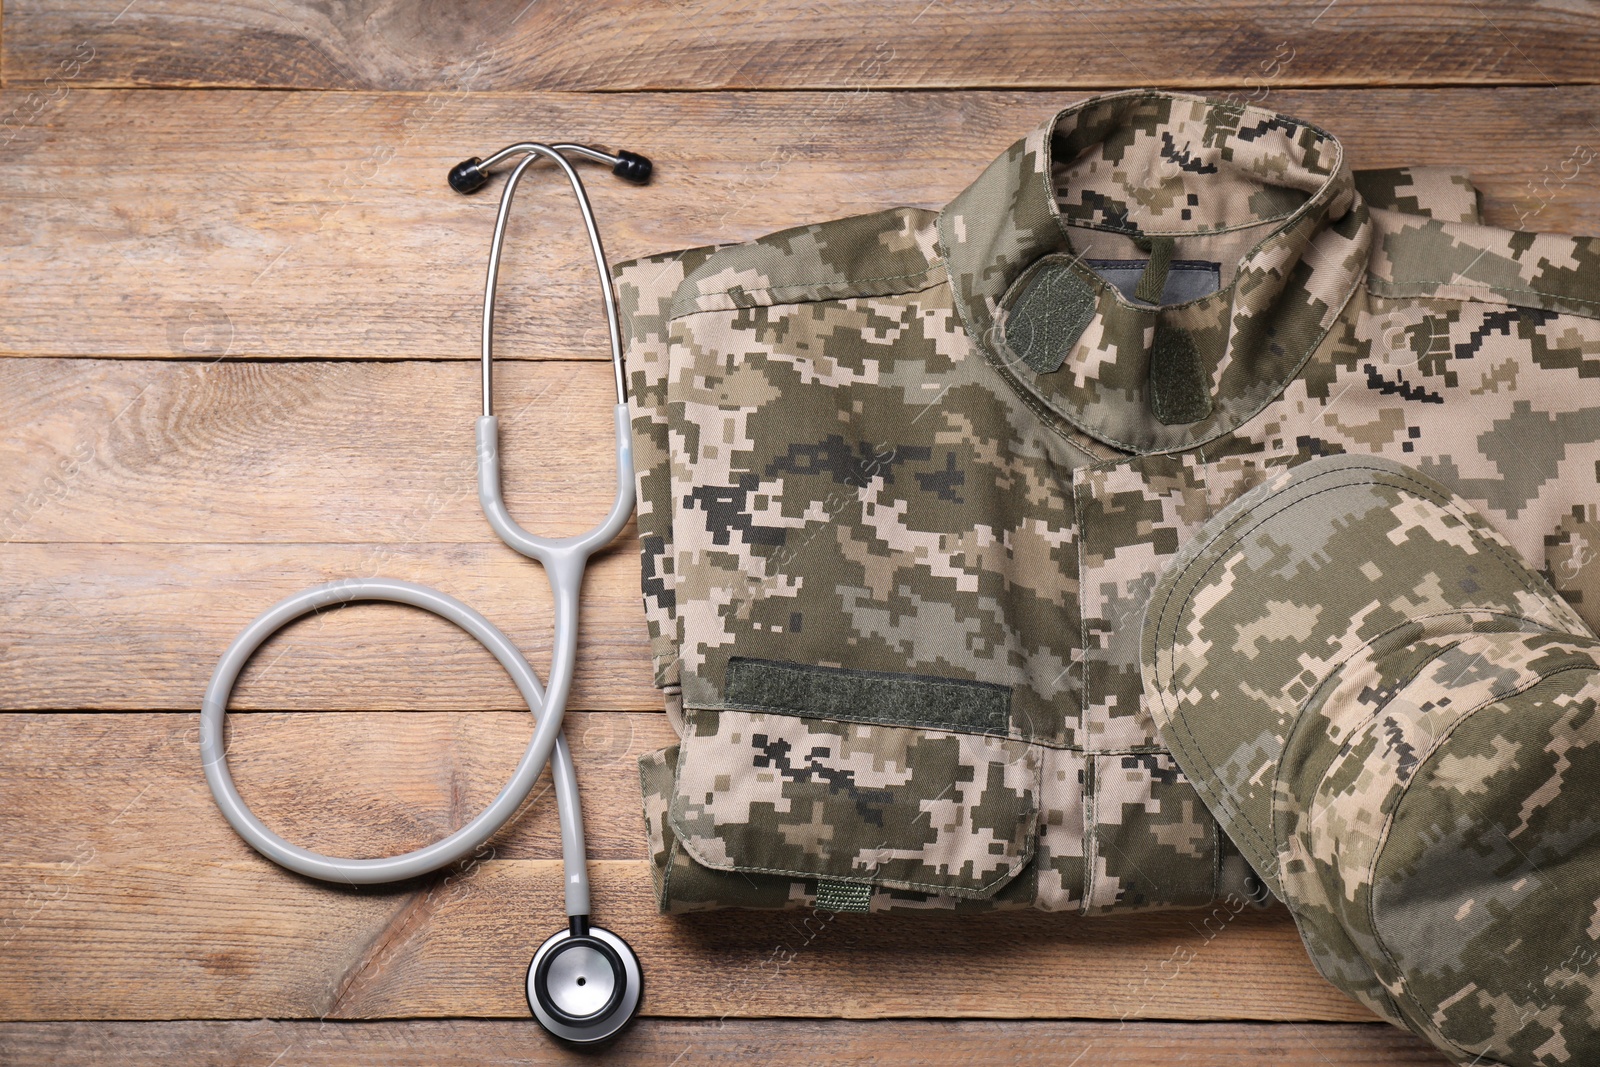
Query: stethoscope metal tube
x=468, y=177
x=584, y=983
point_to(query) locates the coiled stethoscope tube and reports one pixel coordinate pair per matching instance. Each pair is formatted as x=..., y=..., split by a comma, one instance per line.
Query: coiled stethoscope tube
x=584, y=983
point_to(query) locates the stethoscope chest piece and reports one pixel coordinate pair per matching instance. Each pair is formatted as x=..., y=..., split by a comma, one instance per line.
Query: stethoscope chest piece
x=584, y=984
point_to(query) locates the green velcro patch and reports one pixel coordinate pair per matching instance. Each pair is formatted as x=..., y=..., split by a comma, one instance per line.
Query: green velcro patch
x=880, y=697
x=1178, y=392
x=1050, y=313
x=844, y=896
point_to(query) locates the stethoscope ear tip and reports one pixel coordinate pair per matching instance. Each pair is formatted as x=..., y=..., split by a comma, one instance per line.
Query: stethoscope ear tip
x=467, y=176
x=584, y=985
x=632, y=167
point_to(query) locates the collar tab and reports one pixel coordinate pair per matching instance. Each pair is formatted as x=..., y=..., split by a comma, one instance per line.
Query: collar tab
x=1182, y=178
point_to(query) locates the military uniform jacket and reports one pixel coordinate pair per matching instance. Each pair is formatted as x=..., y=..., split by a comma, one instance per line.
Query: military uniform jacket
x=906, y=481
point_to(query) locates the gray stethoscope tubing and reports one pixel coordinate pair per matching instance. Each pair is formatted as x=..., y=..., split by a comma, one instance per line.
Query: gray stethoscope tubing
x=573, y=968
x=546, y=740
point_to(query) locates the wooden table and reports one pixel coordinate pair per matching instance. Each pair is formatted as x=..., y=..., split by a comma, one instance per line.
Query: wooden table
x=239, y=326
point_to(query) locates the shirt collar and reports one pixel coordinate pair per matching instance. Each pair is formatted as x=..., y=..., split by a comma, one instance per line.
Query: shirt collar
x=1147, y=163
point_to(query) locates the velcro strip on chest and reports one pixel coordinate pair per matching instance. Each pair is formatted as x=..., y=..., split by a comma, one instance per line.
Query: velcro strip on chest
x=881, y=697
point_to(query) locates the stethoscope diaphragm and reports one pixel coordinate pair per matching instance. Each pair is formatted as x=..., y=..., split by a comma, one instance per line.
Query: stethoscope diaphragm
x=584, y=984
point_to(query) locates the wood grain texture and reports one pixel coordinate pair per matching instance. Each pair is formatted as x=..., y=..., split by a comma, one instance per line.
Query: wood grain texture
x=353, y=469
x=657, y=1042
x=251, y=315
x=140, y=627
x=361, y=784
x=138, y=226
x=830, y=44
x=191, y=936
x=295, y=452
x=123, y=894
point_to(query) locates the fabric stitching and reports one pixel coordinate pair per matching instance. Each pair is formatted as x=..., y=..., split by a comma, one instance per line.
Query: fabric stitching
x=1026, y=842
x=1076, y=749
x=1271, y=848
x=1238, y=228
x=666, y=876
x=1277, y=776
x=1218, y=422
x=1388, y=825
x=1391, y=290
x=1025, y=853
x=678, y=309
x=1300, y=721
x=1091, y=842
x=664, y=894
x=1048, y=157
x=1083, y=619
x=918, y=724
x=981, y=892
x=1052, y=420
x=1216, y=857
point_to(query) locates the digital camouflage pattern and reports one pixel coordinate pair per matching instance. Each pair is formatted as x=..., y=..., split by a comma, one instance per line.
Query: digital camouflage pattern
x=1395, y=719
x=846, y=464
x=929, y=810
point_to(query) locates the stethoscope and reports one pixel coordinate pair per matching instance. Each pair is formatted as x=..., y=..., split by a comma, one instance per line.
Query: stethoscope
x=584, y=982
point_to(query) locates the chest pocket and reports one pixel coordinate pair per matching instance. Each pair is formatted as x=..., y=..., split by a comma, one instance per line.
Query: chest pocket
x=899, y=781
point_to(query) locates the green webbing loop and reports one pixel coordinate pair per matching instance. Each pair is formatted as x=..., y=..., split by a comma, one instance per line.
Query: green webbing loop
x=1153, y=282
x=844, y=896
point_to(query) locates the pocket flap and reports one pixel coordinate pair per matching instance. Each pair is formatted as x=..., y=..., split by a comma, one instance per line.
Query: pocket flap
x=943, y=811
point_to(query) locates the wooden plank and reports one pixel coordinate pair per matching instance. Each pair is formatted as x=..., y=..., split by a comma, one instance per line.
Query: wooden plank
x=199, y=225
x=120, y=886
x=189, y=936
x=833, y=44
x=657, y=1042
x=297, y=452
x=377, y=457
x=117, y=874
x=375, y=783
x=140, y=627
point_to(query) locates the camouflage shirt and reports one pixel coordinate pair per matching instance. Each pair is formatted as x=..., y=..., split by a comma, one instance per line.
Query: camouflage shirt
x=906, y=481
